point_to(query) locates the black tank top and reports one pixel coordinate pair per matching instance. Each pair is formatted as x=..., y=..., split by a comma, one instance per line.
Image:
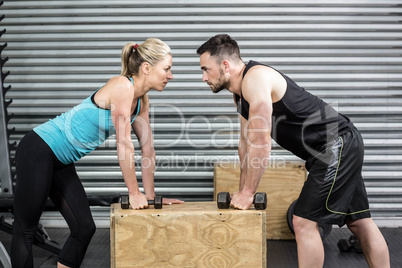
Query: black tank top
x=301, y=122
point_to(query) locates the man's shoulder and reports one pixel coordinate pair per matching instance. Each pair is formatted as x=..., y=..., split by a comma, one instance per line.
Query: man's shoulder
x=260, y=76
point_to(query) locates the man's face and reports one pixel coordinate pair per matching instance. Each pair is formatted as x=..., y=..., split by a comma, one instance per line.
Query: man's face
x=213, y=73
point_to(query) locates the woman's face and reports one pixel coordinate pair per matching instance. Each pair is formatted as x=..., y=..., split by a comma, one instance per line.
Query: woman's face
x=161, y=73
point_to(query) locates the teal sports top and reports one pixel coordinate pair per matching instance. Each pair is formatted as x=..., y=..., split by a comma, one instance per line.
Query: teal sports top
x=80, y=130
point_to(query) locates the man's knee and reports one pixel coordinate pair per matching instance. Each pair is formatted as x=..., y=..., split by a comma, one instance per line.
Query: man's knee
x=362, y=227
x=302, y=225
x=360, y=223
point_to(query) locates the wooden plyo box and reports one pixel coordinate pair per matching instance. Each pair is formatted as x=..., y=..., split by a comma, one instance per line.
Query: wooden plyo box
x=193, y=234
x=282, y=181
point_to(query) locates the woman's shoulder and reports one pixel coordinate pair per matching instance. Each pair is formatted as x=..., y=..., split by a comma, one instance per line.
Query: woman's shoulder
x=120, y=83
x=118, y=87
x=120, y=79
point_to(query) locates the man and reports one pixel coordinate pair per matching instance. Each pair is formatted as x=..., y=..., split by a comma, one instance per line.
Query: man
x=271, y=104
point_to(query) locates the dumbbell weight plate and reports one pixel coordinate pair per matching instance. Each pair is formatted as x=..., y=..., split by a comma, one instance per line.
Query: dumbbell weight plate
x=158, y=202
x=260, y=201
x=223, y=200
x=125, y=203
x=344, y=245
x=325, y=229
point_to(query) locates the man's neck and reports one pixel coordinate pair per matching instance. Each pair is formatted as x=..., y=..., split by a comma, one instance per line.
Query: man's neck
x=237, y=78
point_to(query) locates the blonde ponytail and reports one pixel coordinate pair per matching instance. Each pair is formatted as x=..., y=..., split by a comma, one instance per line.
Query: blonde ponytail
x=152, y=51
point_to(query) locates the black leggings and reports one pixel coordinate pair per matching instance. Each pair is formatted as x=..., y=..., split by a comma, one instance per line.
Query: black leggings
x=41, y=175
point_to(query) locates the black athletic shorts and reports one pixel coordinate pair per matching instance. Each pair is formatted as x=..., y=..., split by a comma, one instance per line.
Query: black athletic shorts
x=334, y=191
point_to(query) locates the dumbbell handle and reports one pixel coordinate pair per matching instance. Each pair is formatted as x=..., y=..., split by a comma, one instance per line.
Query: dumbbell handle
x=230, y=199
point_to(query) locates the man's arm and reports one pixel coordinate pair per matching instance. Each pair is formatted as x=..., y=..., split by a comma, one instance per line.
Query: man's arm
x=242, y=152
x=242, y=149
x=257, y=91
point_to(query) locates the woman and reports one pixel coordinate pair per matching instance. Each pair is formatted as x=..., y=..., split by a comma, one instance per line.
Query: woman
x=45, y=156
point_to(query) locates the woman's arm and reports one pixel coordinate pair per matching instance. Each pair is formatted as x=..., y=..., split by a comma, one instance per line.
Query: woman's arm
x=143, y=131
x=121, y=94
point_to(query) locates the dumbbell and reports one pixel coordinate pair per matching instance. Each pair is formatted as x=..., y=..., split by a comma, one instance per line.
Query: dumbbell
x=346, y=245
x=260, y=200
x=157, y=202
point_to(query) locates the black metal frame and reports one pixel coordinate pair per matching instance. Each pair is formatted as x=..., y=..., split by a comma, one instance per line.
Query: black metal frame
x=6, y=174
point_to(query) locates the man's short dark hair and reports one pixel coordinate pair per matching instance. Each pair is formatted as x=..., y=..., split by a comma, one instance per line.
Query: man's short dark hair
x=219, y=46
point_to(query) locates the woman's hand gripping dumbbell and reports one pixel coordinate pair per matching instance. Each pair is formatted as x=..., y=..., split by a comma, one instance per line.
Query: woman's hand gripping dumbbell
x=157, y=202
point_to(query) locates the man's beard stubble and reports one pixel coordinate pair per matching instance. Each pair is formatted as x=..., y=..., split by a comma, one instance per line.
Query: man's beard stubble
x=220, y=85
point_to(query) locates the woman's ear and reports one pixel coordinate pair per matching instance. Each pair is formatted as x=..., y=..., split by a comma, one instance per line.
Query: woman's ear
x=145, y=68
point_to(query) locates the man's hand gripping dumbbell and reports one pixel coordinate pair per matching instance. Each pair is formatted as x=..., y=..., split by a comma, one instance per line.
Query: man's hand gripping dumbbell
x=259, y=201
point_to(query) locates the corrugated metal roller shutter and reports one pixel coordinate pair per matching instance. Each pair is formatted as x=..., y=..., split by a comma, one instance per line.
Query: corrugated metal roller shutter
x=347, y=52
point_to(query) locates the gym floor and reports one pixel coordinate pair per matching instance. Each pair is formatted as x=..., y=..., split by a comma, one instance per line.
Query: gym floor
x=279, y=253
